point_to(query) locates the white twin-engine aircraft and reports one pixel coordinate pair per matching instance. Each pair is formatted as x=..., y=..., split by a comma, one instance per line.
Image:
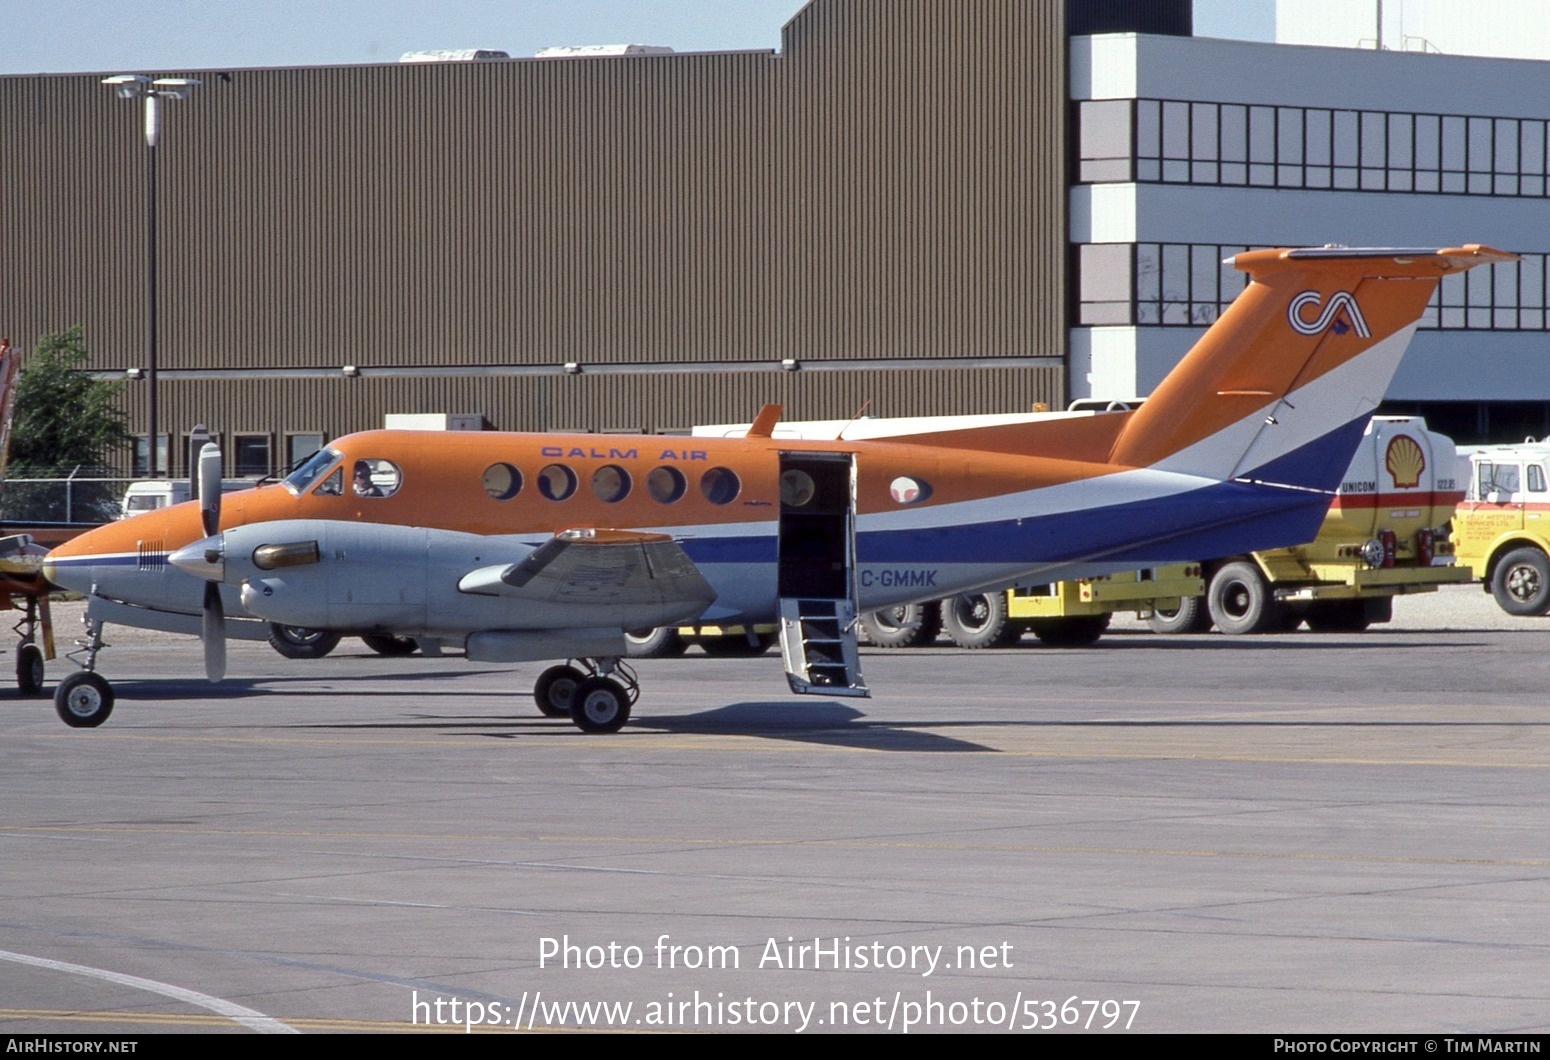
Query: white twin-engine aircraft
x=523, y=547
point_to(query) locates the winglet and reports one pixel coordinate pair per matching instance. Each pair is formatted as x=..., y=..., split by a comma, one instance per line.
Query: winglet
x=763, y=425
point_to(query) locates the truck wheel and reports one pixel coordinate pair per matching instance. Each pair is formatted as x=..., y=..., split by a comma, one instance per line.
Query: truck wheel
x=978, y=620
x=1521, y=583
x=904, y=626
x=1241, y=601
x=1338, y=616
x=1076, y=631
x=1189, y=617
x=656, y=643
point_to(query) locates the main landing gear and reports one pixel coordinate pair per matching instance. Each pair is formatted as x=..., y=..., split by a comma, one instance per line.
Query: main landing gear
x=29, y=657
x=85, y=699
x=596, y=694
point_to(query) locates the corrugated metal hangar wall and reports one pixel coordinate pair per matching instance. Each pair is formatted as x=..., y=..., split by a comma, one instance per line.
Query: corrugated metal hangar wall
x=882, y=202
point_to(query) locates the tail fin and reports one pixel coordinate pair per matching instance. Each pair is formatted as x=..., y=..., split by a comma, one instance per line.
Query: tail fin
x=1281, y=387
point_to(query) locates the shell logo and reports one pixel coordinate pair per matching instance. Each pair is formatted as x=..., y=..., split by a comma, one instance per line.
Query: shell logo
x=1405, y=461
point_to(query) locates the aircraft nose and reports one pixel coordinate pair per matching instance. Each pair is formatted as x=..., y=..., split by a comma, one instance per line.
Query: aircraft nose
x=203, y=559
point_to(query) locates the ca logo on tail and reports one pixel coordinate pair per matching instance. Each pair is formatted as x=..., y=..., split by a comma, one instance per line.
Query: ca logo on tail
x=1342, y=313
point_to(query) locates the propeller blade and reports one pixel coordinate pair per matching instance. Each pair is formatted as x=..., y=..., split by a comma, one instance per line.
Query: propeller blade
x=198, y=438
x=213, y=633
x=210, y=487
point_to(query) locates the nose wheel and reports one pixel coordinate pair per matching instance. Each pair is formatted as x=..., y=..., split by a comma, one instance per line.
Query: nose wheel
x=596, y=694
x=84, y=700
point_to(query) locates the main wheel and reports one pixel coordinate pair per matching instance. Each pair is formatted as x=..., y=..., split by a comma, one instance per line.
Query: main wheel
x=1241, y=601
x=29, y=669
x=1074, y=631
x=385, y=644
x=600, y=705
x=299, y=642
x=1521, y=582
x=84, y=700
x=904, y=626
x=658, y=643
x=1190, y=616
x=978, y=620
x=555, y=690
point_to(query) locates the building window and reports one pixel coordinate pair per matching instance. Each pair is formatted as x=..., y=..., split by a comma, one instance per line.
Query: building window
x=1238, y=145
x=252, y=456
x=142, y=462
x=300, y=447
x=1191, y=284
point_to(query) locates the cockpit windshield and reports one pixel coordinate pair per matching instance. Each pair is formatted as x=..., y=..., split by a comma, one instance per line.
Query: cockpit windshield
x=308, y=473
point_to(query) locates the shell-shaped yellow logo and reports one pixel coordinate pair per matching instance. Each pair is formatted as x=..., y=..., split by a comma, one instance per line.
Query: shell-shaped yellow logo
x=1405, y=461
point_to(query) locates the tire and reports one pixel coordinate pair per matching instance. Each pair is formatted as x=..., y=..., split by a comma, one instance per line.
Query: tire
x=391, y=646
x=905, y=626
x=660, y=643
x=1076, y=631
x=1521, y=582
x=1338, y=616
x=978, y=620
x=299, y=642
x=29, y=669
x=1241, y=601
x=83, y=700
x=600, y=705
x=555, y=690
x=1191, y=616
x=735, y=645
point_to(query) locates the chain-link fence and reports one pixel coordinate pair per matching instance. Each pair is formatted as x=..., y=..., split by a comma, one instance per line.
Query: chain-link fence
x=70, y=495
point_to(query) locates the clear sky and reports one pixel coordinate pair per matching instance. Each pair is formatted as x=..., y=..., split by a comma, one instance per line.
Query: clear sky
x=170, y=36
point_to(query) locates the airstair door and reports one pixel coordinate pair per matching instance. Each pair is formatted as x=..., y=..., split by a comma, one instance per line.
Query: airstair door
x=817, y=583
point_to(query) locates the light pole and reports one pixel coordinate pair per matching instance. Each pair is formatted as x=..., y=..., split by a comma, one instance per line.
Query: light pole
x=138, y=86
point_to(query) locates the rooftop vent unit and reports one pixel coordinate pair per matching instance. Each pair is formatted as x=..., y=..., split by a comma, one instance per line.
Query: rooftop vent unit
x=452, y=55
x=593, y=51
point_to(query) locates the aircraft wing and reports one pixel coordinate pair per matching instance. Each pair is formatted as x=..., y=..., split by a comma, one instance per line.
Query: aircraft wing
x=611, y=567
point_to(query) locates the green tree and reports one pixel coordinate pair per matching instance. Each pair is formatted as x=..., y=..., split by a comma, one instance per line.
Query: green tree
x=64, y=420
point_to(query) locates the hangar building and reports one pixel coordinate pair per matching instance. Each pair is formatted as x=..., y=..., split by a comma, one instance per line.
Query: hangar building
x=912, y=206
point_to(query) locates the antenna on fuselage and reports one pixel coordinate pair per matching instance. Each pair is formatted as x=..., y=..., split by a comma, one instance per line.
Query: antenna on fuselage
x=852, y=421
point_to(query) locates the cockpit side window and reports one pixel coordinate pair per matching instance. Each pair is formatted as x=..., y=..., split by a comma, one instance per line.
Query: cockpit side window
x=311, y=470
x=332, y=486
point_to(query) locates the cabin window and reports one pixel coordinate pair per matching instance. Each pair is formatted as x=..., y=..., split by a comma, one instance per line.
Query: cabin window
x=906, y=490
x=1536, y=478
x=556, y=482
x=375, y=478
x=611, y=483
x=720, y=485
x=666, y=485
x=502, y=481
x=796, y=488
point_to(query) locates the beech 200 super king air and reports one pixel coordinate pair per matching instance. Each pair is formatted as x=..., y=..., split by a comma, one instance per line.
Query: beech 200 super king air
x=524, y=547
